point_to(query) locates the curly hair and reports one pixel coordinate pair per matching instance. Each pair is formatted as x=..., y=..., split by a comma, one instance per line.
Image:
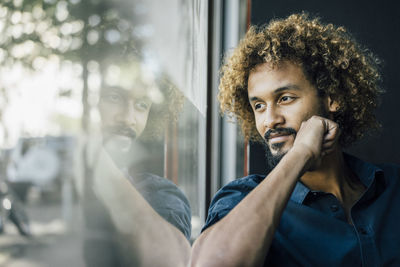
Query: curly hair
x=165, y=112
x=331, y=60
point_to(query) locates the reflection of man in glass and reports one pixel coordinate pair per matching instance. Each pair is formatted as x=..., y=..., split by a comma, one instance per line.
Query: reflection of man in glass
x=124, y=113
x=134, y=218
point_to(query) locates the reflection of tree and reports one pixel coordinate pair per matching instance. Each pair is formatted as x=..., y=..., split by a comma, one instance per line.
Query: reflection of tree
x=86, y=32
x=107, y=34
x=75, y=30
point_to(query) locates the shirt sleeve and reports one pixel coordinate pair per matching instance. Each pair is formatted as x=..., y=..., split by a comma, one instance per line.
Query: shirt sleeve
x=228, y=197
x=167, y=200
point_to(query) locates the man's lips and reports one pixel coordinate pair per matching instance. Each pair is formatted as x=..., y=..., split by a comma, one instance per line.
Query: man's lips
x=279, y=135
x=120, y=131
x=279, y=138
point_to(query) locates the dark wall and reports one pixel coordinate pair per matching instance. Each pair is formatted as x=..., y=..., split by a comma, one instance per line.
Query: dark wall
x=376, y=25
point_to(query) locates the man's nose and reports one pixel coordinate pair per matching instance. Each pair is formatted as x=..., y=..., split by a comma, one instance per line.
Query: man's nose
x=273, y=118
x=127, y=113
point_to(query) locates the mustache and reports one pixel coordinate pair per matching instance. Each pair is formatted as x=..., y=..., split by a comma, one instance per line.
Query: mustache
x=120, y=130
x=284, y=131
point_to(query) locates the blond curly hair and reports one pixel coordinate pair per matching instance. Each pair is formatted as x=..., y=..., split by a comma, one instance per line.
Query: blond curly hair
x=331, y=60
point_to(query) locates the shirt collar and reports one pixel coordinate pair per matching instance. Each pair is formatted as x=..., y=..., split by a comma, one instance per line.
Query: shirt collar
x=365, y=171
x=299, y=193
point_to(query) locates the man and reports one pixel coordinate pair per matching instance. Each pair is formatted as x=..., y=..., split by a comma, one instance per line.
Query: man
x=307, y=90
x=133, y=218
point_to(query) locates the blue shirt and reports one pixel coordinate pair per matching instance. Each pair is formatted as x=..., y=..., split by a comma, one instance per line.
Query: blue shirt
x=166, y=199
x=313, y=230
x=104, y=247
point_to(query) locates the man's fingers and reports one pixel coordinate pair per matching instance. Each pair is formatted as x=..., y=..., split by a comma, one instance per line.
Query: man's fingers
x=332, y=131
x=328, y=144
x=318, y=134
x=327, y=150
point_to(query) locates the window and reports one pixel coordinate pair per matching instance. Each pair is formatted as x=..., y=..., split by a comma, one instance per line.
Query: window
x=133, y=80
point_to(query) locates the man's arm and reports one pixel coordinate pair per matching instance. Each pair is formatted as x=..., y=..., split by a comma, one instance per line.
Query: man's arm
x=243, y=237
x=154, y=240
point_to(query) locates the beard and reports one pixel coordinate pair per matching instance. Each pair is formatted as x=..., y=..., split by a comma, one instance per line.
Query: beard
x=273, y=160
x=119, y=141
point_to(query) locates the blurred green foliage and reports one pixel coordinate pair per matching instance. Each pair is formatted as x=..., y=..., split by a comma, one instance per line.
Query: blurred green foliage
x=80, y=31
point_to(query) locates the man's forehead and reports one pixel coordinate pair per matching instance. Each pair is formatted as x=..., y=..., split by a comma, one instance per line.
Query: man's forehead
x=276, y=65
x=276, y=78
x=269, y=73
x=133, y=92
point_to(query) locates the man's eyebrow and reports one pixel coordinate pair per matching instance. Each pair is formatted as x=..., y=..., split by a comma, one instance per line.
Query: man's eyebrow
x=277, y=91
x=127, y=94
x=286, y=87
x=254, y=98
x=116, y=90
x=112, y=89
x=120, y=91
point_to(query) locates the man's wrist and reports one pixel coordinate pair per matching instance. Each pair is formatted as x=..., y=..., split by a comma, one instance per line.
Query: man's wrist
x=303, y=155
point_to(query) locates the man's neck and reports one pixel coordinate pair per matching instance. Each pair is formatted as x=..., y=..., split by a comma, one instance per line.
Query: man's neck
x=335, y=177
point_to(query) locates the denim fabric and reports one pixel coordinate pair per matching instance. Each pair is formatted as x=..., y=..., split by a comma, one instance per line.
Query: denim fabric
x=313, y=230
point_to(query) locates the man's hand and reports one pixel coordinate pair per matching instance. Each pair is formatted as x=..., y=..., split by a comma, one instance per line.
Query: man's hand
x=316, y=138
x=259, y=213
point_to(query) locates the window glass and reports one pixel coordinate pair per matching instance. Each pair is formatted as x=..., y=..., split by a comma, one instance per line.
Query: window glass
x=102, y=129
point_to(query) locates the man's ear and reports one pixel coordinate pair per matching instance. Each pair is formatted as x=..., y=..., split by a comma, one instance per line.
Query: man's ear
x=332, y=105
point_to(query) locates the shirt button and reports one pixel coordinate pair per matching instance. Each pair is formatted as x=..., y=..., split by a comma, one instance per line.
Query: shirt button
x=315, y=194
x=334, y=208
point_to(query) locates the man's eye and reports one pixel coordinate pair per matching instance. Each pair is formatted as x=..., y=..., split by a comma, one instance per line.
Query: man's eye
x=113, y=98
x=286, y=99
x=258, y=106
x=142, y=105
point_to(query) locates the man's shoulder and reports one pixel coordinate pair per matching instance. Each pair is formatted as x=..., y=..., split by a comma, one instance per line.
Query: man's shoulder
x=385, y=174
x=158, y=189
x=244, y=184
x=236, y=190
x=166, y=199
x=151, y=181
x=229, y=196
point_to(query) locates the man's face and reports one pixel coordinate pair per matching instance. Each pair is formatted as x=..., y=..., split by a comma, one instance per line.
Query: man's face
x=281, y=99
x=123, y=113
